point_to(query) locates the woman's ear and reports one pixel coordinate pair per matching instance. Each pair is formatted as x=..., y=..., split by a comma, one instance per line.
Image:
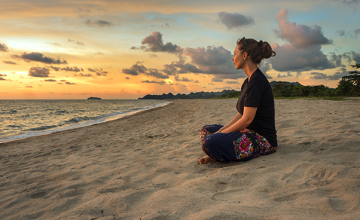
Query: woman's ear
x=245, y=55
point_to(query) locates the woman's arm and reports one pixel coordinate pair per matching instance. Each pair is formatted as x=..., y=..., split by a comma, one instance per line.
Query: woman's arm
x=235, y=119
x=243, y=122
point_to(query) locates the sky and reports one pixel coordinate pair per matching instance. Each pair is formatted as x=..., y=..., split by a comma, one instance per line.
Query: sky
x=125, y=49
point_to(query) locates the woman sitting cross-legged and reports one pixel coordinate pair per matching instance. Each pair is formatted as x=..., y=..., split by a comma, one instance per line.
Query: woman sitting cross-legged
x=251, y=132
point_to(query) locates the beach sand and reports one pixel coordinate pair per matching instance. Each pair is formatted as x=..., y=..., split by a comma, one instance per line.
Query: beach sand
x=146, y=167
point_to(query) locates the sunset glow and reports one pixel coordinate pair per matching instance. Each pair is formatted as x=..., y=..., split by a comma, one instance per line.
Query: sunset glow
x=74, y=49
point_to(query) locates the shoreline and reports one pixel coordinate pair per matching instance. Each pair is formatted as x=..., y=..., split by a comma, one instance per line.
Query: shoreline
x=101, y=120
x=146, y=166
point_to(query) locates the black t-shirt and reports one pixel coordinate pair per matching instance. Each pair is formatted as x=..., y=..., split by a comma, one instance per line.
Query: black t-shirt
x=257, y=92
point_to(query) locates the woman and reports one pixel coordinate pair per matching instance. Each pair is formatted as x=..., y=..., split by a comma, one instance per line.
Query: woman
x=251, y=132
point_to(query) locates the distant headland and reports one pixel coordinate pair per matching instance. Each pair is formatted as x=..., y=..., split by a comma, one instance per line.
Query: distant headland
x=210, y=95
x=193, y=95
x=96, y=98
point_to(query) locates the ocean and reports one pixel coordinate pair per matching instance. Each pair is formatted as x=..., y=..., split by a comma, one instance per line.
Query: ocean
x=26, y=118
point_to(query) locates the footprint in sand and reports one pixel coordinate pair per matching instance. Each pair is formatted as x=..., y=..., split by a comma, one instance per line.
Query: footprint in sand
x=290, y=197
x=310, y=175
x=318, y=184
x=344, y=203
x=38, y=195
x=232, y=196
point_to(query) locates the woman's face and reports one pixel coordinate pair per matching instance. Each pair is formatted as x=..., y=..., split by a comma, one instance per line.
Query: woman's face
x=238, y=58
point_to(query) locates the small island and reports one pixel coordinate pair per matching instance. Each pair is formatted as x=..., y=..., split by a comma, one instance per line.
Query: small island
x=96, y=98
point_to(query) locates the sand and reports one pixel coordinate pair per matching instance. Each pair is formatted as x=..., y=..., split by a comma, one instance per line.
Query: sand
x=146, y=167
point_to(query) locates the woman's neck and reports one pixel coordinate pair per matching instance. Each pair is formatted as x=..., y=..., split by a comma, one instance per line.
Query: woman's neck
x=249, y=70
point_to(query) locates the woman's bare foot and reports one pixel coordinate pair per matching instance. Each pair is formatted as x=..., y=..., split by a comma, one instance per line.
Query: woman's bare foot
x=205, y=160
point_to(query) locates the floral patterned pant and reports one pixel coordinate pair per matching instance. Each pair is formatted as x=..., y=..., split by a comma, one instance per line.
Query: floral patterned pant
x=234, y=146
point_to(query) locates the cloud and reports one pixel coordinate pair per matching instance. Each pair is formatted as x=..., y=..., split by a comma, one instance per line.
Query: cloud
x=50, y=80
x=290, y=58
x=183, y=79
x=351, y=56
x=266, y=66
x=69, y=83
x=38, y=57
x=76, y=42
x=4, y=48
x=68, y=69
x=72, y=69
x=355, y=56
x=127, y=78
x=147, y=81
x=99, y=53
x=357, y=31
x=136, y=69
x=155, y=73
x=349, y=2
x=216, y=80
x=235, y=20
x=338, y=74
x=211, y=60
x=341, y=32
x=288, y=74
x=39, y=72
x=98, y=72
x=336, y=59
x=299, y=35
x=29, y=87
x=9, y=62
x=78, y=9
x=1, y=76
x=187, y=68
x=83, y=75
x=154, y=43
x=210, y=56
x=303, y=52
x=232, y=82
x=223, y=88
x=215, y=61
x=97, y=23
x=352, y=34
x=55, y=68
x=171, y=69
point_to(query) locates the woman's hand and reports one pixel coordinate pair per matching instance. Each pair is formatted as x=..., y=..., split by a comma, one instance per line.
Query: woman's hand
x=243, y=122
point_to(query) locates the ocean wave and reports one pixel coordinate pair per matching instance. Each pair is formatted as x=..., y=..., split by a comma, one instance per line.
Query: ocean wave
x=45, y=122
x=10, y=111
x=14, y=126
x=60, y=112
x=79, y=119
x=41, y=128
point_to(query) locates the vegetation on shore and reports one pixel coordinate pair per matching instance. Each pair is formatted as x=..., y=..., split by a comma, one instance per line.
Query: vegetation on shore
x=348, y=86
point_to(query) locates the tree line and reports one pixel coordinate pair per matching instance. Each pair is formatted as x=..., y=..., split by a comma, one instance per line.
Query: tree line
x=349, y=85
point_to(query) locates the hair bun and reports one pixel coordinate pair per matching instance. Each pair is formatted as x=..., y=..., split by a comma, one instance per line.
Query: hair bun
x=260, y=43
